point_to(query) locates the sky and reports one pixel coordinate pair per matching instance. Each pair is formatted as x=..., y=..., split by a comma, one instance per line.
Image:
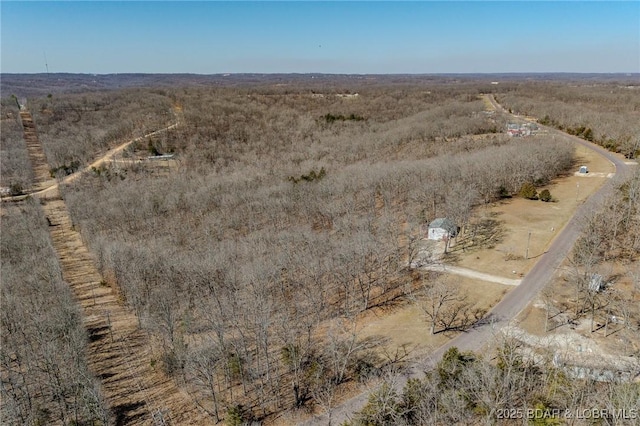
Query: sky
x=342, y=37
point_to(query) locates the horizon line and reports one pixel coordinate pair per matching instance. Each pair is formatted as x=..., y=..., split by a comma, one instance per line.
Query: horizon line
x=326, y=73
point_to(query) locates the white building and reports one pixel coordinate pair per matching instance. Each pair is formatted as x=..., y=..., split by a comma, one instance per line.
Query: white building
x=442, y=229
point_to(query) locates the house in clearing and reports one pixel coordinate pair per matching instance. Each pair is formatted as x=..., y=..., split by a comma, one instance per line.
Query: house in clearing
x=442, y=229
x=520, y=129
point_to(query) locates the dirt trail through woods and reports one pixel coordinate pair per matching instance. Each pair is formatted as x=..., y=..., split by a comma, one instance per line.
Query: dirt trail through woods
x=117, y=351
x=102, y=160
x=38, y=159
x=44, y=183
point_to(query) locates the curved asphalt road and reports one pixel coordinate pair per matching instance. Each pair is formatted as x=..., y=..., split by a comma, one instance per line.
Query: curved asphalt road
x=514, y=301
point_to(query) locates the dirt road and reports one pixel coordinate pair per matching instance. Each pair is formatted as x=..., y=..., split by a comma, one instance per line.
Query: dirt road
x=470, y=273
x=118, y=350
x=50, y=186
x=107, y=157
x=518, y=298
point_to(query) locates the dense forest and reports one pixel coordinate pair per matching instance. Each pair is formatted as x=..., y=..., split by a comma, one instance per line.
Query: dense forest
x=289, y=212
x=45, y=378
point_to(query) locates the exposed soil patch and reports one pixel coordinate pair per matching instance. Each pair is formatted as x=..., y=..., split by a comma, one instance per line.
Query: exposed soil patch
x=38, y=160
x=117, y=350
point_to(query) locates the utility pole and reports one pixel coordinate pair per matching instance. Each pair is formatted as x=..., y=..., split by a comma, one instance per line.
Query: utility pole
x=526, y=256
x=46, y=65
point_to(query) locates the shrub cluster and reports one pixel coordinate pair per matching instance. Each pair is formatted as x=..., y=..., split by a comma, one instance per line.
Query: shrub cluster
x=309, y=177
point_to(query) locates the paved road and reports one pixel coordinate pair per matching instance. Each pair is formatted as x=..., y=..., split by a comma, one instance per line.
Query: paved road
x=518, y=298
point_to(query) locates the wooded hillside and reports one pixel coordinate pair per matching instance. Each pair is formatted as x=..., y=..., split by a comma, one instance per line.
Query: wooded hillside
x=288, y=213
x=252, y=261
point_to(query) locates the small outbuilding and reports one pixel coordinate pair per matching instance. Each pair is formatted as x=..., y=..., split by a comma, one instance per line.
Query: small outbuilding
x=583, y=170
x=596, y=283
x=442, y=229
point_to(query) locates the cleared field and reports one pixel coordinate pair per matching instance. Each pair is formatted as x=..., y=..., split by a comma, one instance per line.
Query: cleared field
x=517, y=217
x=404, y=328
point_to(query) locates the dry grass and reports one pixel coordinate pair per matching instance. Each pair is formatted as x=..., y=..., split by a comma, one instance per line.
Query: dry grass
x=404, y=326
x=517, y=217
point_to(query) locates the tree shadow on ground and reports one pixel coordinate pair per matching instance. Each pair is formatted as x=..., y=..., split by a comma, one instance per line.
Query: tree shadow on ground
x=483, y=233
x=123, y=413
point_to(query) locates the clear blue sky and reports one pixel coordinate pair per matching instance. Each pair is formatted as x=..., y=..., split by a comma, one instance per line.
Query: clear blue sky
x=326, y=37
